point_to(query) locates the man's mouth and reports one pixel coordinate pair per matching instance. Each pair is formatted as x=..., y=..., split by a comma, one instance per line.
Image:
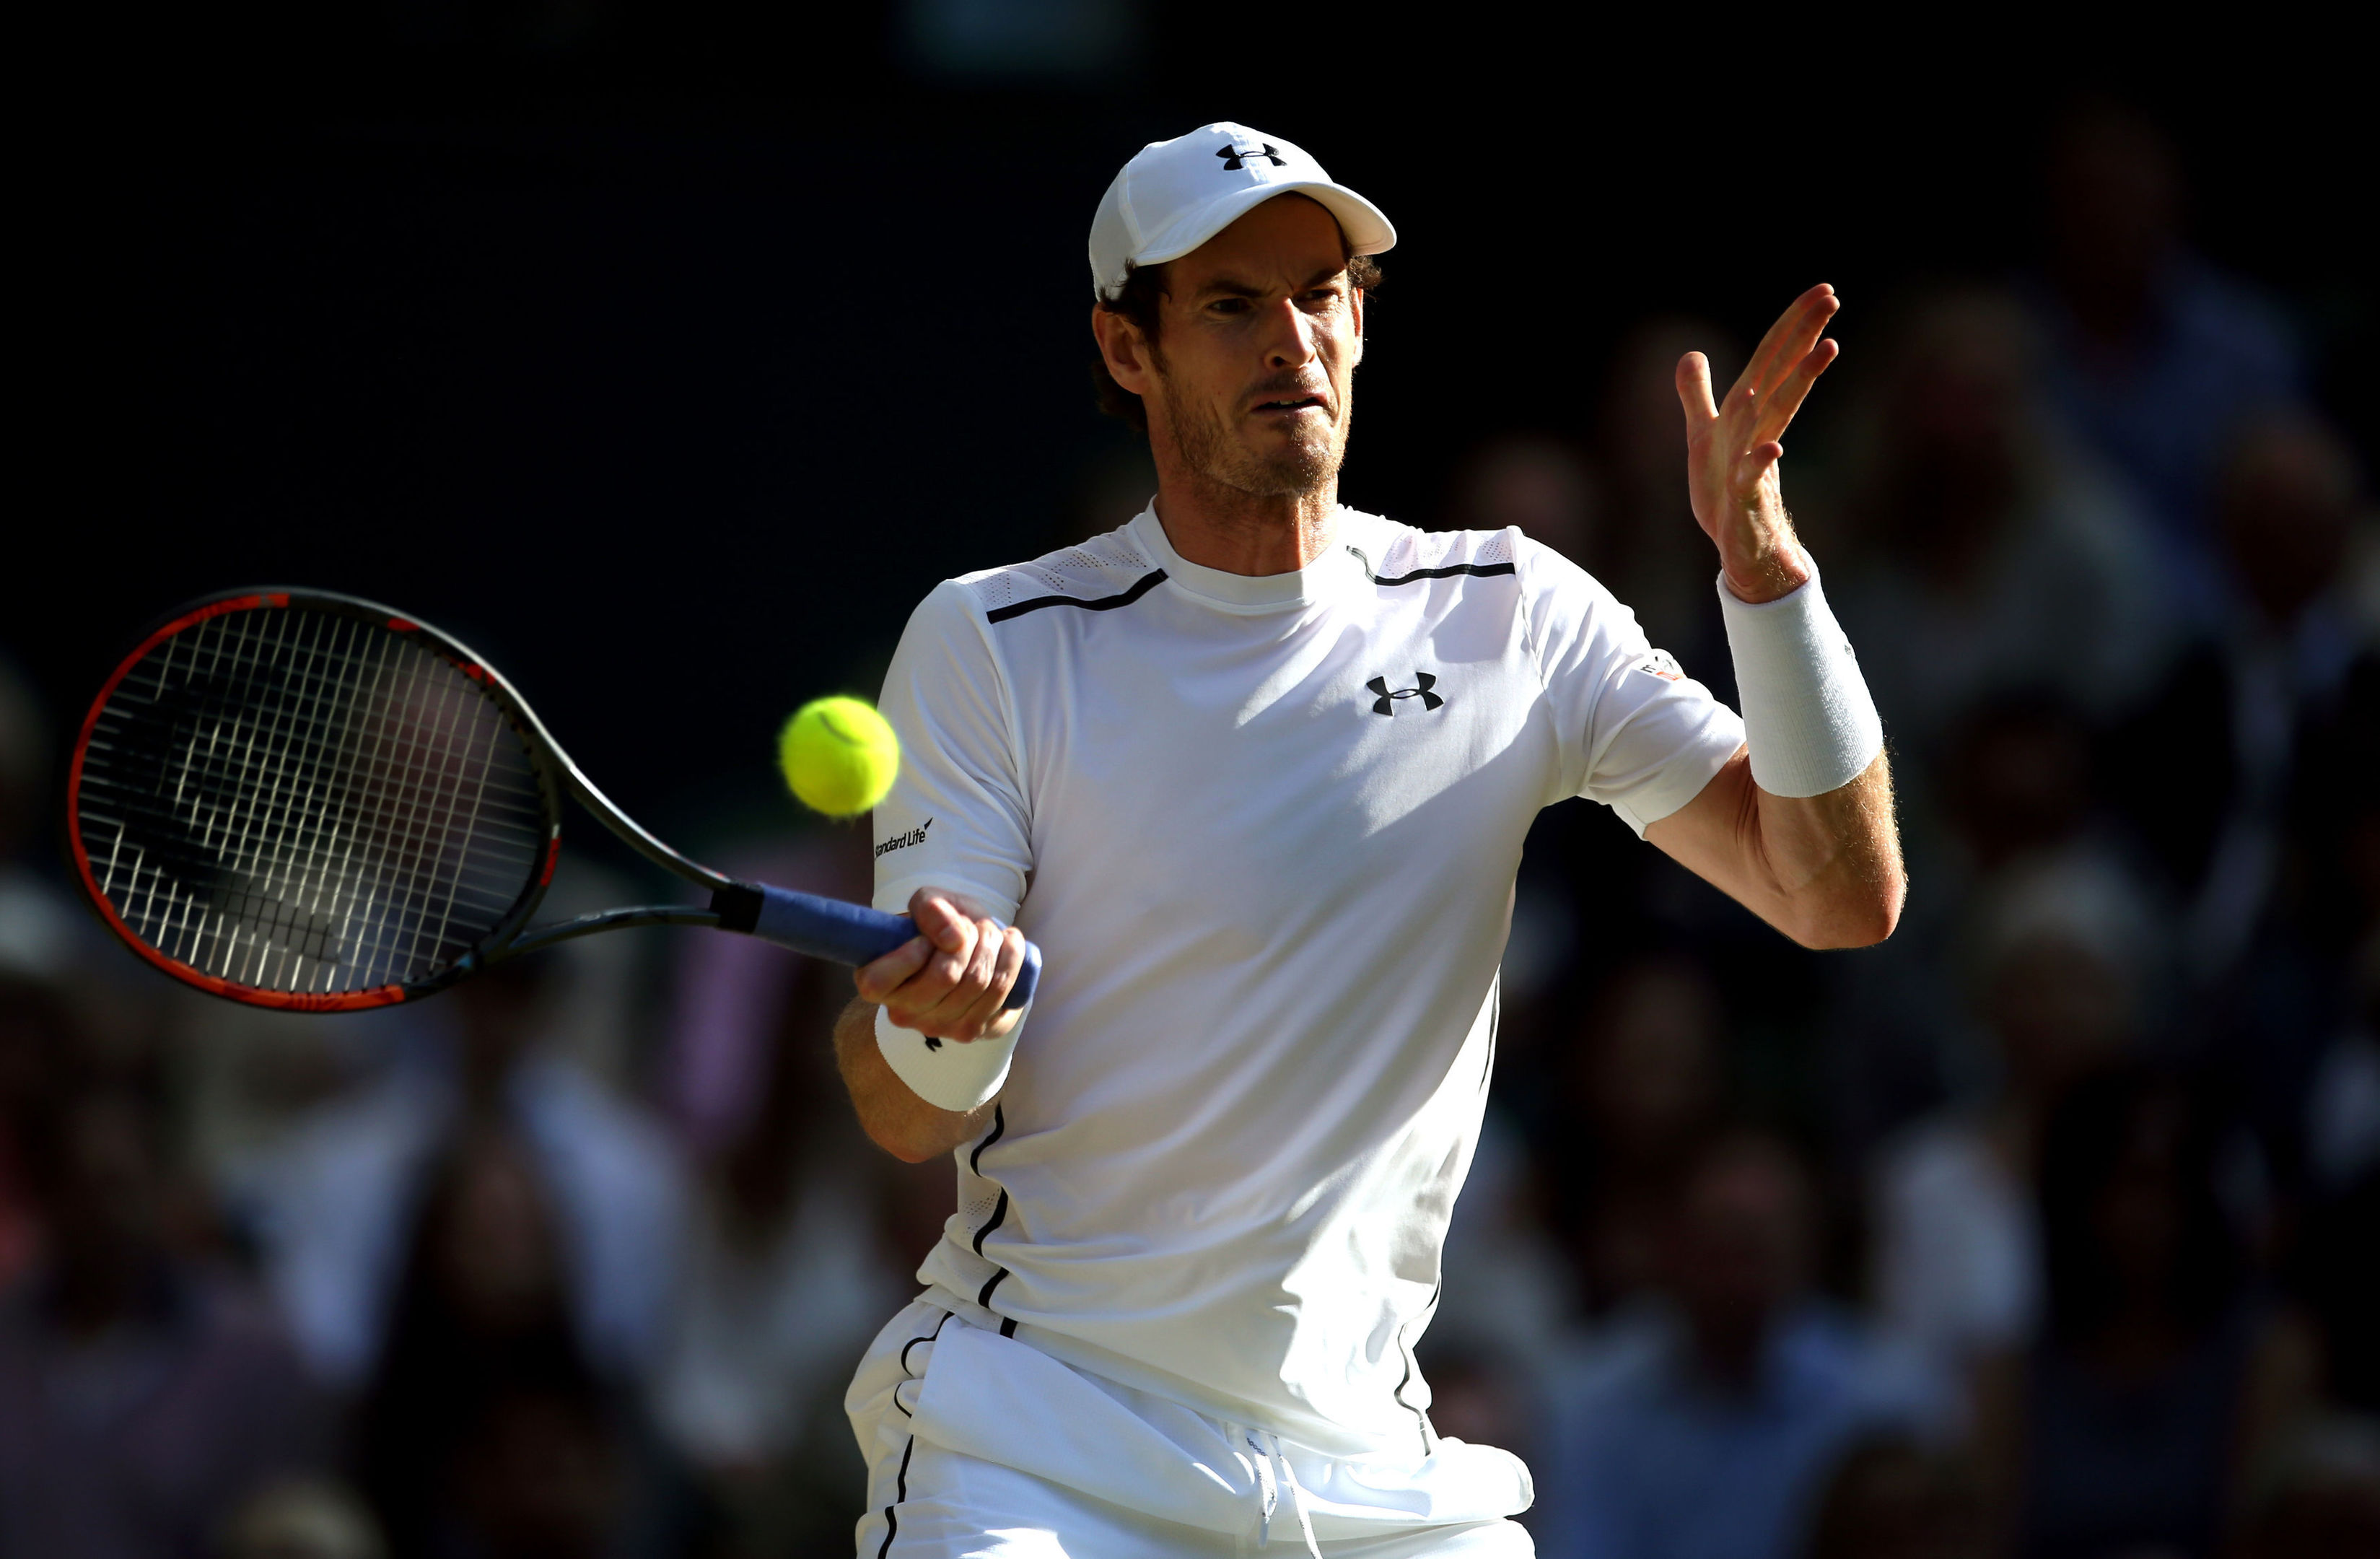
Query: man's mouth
x=1290, y=405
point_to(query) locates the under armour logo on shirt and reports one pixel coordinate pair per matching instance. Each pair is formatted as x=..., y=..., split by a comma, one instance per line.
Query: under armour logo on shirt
x=1234, y=155
x=1387, y=702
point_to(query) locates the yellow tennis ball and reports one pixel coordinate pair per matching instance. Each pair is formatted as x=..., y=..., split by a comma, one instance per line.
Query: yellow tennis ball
x=838, y=756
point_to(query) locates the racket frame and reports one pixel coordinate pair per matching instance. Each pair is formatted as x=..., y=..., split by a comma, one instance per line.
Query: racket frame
x=555, y=774
x=803, y=922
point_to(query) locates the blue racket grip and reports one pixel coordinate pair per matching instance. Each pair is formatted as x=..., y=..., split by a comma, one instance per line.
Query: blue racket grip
x=853, y=934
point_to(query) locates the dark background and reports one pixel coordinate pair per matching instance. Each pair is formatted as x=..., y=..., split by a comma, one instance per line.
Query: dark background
x=668, y=353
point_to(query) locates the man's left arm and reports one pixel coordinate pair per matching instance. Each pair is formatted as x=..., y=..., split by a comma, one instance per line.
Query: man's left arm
x=1812, y=850
x=1824, y=869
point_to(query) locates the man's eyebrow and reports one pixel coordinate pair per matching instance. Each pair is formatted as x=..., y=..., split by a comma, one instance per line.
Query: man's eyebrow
x=1224, y=287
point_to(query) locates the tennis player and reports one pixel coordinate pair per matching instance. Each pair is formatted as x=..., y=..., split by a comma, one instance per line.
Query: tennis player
x=1255, y=769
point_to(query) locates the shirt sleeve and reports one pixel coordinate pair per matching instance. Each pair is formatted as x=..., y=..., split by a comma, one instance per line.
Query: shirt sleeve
x=1637, y=733
x=957, y=818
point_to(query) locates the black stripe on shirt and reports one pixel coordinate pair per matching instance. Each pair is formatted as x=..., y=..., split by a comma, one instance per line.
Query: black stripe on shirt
x=1482, y=569
x=1398, y=1395
x=900, y=1493
x=913, y=1343
x=1000, y=1209
x=1104, y=603
x=975, y=1167
x=998, y=1212
x=999, y=1125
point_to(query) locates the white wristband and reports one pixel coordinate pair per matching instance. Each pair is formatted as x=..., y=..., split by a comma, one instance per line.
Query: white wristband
x=1807, y=716
x=946, y=1073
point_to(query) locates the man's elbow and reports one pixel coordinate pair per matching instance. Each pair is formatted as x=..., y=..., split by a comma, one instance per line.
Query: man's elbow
x=1860, y=917
x=905, y=1140
x=913, y=1131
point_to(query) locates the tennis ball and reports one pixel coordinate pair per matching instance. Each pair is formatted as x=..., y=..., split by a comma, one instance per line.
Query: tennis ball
x=838, y=756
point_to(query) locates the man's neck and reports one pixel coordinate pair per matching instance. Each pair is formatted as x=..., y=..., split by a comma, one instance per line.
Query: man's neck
x=1234, y=532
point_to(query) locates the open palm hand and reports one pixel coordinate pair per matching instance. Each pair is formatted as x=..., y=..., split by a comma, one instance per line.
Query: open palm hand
x=1733, y=448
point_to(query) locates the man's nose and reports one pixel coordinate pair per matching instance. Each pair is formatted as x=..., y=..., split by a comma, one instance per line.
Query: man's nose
x=1289, y=343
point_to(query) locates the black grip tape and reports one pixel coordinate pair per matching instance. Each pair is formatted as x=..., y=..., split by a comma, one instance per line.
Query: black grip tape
x=737, y=906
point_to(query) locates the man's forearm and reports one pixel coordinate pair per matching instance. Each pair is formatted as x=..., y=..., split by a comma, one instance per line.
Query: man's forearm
x=895, y=1118
x=1824, y=869
x=1833, y=859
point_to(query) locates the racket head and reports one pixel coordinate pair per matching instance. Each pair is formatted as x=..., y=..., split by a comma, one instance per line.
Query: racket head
x=300, y=800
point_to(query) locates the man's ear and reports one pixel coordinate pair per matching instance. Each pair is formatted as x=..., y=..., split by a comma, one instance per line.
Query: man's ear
x=1358, y=307
x=1121, y=344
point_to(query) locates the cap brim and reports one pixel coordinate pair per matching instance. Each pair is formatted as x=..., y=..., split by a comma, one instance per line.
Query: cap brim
x=1367, y=231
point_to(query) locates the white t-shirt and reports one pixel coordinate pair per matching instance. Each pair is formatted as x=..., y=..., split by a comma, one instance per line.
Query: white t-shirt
x=1265, y=832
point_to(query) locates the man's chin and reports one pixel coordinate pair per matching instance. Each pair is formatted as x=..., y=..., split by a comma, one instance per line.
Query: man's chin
x=1291, y=471
x=1262, y=462
x=1275, y=483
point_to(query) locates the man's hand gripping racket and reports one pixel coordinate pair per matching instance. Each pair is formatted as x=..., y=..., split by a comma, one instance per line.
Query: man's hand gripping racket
x=299, y=799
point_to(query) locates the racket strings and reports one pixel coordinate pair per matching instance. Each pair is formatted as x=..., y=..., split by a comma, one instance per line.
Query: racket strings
x=307, y=801
x=229, y=827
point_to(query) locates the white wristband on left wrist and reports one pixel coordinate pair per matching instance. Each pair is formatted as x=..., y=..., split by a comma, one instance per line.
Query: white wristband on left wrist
x=947, y=1074
x=1807, y=715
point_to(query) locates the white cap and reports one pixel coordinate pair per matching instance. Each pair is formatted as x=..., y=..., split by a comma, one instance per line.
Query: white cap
x=1178, y=193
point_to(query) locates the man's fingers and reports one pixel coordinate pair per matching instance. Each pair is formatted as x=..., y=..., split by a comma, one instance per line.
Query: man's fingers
x=950, y=967
x=939, y=921
x=1012, y=967
x=953, y=977
x=1790, y=339
x=997, y=1018
x=1783, y=403
x=959, y=995
x=1695, y=391
x=1755, y=465
x=1002, y=954
x=1755, y=367
x=974, y=988
x=1822, y=306
x=948, y=938
x=1795, y=332
x=883, y=978
x=959, y=984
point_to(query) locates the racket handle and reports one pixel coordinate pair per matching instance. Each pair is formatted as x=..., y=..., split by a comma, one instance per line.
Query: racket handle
x=849, y=934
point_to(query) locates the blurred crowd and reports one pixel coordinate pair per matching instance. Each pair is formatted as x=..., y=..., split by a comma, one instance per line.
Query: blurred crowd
x=2046, y=1231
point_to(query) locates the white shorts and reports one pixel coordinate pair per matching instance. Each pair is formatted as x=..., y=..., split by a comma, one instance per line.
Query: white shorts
x=980, y=1446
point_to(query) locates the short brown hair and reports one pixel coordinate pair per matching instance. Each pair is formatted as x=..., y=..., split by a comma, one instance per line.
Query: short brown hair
x=1140, y=300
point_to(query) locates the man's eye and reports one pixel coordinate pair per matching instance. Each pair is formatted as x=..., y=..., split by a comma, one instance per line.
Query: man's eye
x=1229, y=306
x=1322, y=297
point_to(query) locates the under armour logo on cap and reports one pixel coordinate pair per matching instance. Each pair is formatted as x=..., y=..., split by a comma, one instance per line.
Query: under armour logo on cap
x=1235, y=154
x=1387, y=702
x=1167, y=200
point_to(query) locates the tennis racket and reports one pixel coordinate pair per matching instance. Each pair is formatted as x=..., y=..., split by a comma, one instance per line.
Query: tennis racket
x=299, y=799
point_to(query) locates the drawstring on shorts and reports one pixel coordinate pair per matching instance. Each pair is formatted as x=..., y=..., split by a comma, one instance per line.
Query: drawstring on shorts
x=1265, y=1460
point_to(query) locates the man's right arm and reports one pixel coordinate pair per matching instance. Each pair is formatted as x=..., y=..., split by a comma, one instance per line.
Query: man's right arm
x=895, y=1119
x=949, y=982
x=956, y=819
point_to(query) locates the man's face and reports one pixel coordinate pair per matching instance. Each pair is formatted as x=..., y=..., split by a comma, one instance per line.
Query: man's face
x=1251, y=379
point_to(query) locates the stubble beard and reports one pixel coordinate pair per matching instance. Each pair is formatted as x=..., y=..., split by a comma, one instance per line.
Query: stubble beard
x=1308, y=465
